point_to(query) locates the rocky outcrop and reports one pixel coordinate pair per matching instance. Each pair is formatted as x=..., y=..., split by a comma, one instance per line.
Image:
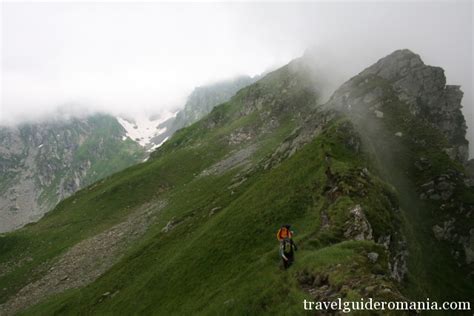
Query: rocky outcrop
x=404, y=76
x=441, y=187
x=404, y=107
x=424, y=88
x=358, y=227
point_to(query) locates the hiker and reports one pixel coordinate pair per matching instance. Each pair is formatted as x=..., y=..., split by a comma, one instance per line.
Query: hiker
x=287, y=252
x=287, y=245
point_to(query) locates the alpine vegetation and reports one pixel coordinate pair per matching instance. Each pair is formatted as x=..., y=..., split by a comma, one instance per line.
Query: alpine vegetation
x=368, y=190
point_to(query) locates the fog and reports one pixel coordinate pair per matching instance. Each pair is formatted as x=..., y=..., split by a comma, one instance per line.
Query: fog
x=134, y=58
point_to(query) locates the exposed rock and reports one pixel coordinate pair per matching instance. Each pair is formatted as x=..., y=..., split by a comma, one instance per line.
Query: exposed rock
x=214, y=210
x=428, y=186
x=378, y=113
x=398, y=264
x=237, y=159
x=169, y=226
x=311, y=127
x=240, y=136
x=373, y=256
x=358, y=227
x=444, y=232
x=424, y=89
x=441, y=188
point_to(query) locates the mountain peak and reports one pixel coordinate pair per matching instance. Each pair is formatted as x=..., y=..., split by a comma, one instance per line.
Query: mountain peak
x=422, y=87
x=396, y=65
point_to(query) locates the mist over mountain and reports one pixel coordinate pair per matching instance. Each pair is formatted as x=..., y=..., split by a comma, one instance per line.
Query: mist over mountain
x=200, y=103
x=374, y=178
x=153, y=62
x=44, y=163
x=236, y=158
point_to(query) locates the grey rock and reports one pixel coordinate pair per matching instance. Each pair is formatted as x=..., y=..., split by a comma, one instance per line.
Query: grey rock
x=422, y=87
x=373, y=256
x=169, y=226
x=378, y=113
x=444, y=232
x=428, y=186
x=358, y=227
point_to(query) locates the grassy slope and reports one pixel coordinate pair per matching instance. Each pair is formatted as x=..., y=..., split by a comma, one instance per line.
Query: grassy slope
x=107, y=202
x=227, y=262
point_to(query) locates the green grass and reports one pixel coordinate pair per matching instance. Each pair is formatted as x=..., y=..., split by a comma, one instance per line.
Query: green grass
x=227, y=263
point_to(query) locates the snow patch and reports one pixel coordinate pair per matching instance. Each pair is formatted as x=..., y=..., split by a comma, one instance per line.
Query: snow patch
x=152, y=148
x=142, y=129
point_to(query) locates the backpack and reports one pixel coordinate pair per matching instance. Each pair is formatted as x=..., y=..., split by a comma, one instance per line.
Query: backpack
x=283, y=233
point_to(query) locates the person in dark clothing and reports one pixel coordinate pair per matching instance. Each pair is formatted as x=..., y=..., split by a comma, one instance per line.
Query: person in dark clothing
x=287, y=252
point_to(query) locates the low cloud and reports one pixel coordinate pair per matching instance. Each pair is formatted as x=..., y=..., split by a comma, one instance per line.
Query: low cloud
x=128, y=58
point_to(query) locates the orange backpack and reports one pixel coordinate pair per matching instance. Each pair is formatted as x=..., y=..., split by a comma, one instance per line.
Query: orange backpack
x=283, y=233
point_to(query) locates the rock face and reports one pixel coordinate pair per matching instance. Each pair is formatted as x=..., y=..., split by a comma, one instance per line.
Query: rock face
x=424, y=88
x=413, y=122
x=358, y=227
x=421, y=86
x=43, y=163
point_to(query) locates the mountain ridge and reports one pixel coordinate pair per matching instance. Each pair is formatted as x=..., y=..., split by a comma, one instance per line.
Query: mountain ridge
x=352, y=175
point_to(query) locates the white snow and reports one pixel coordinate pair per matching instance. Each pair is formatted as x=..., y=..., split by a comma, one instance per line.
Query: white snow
x=152, y=148
x=142, y=129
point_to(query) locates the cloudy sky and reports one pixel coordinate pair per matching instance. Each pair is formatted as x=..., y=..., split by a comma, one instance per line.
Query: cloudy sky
x=130, y=58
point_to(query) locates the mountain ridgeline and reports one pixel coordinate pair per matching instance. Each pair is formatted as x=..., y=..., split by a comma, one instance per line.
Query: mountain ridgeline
x=373, y=181
x=201, y=102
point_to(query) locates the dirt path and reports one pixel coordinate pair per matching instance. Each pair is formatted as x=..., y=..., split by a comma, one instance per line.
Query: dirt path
x=85, y=261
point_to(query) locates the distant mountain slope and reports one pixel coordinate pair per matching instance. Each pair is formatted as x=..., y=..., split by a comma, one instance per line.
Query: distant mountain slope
x=375, y=191
x=43, y=163
x=201, y=102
